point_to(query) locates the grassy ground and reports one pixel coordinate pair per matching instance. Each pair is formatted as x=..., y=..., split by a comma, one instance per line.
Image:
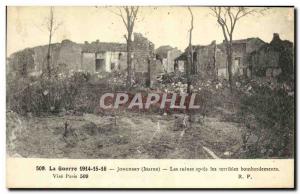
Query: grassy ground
x=133, y=136
x=266, y=112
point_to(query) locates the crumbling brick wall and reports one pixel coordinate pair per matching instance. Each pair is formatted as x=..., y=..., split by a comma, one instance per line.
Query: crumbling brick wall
x=74, y=56
x=143, y=50
x=69, y=55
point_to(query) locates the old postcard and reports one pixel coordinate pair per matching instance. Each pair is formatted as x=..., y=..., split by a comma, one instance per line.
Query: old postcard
x=150, y=97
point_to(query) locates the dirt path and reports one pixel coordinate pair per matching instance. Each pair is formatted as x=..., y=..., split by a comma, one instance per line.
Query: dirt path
x=134, y=136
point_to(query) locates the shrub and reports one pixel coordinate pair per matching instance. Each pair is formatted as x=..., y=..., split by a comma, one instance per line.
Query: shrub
x=272, y=120
x=44, y=95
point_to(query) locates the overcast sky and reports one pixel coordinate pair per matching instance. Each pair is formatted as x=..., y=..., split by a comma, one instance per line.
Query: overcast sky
x=161, y=25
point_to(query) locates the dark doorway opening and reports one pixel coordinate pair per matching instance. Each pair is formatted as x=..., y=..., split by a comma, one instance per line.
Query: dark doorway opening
x=100, y=65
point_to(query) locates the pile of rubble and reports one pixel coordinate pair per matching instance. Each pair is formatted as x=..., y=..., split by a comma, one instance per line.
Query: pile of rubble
x=248, y=87
x=209, y=85
x=175, y=82
x=174, y=87
x=117, y=79
x=172, y=77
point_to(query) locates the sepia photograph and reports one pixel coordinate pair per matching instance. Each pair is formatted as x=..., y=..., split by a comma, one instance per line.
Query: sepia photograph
x=136, y=82
x=150, y=97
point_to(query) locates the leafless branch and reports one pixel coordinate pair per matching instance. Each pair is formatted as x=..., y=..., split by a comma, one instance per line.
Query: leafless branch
x=128, y=14
x=192, y=19
x=227, y=18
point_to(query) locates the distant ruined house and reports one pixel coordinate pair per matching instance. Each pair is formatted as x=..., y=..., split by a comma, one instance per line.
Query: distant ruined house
x=92, y=57
x=274, y=59
x=103, y=57
x=167, y=55
x=211, y=60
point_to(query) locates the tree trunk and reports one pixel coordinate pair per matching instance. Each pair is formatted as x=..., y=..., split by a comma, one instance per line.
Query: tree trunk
x=229, y=63
x=215, y=68
x=188, y=73
x=149, y=73
x=193, y=69
x=49, y=56
x=190, y=64
x=129, y=62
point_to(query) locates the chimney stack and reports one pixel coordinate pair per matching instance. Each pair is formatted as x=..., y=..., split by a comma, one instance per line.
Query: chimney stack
x=276, y=36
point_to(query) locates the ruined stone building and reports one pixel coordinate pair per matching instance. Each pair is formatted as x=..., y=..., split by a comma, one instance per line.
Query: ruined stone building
x=103, y=57
x=212, y=59
x=274, y=59
x=251, y=57
x=167, y=55
x=92, y=57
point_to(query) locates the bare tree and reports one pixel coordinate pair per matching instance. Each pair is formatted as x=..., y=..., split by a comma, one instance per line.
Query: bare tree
x=128, y=15
x=190, y=61
x=52, y=25
x=227, y=18
x=215, y=68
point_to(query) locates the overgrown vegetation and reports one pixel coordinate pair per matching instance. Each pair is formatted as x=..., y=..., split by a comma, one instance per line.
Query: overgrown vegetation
x=44, y=95
x=269, y=117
